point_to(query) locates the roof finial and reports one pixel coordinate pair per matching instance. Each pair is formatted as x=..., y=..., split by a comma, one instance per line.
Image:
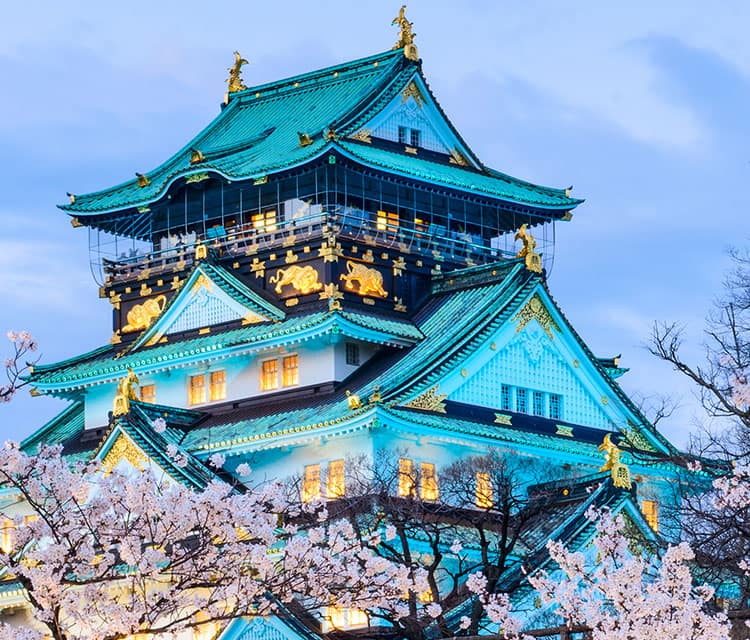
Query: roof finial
x=406, y=36
x=235, y=74
x=620, y=472
x=125, y=393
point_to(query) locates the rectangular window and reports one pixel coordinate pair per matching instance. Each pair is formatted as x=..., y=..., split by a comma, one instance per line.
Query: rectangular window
x=420, y=225
x=197, y=390
x=555, y=406
x=336, y=484
x=343, y=618
x=217, y=385
x=506, y=402
x=428, y=482
x=264, y=221
x=148, y=393
x=522, y=401
x=650, y=509
x=386, y=220
x=484, y=497
x=538, y=403
x=352, y=353
x=402, y=133
x=311, y=483
x=6, y=535
x=406, y=484
x=269, y=375
x=416, y=134
x=290, y=371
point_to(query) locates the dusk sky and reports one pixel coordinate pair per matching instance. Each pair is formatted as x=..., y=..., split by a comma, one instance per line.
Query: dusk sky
x=642, y=106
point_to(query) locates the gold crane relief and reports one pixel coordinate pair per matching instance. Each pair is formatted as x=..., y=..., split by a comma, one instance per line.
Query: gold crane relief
x=141, y=316
x=368, y=280
x=303, y=279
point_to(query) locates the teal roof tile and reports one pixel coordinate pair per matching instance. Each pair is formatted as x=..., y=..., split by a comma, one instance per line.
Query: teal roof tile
x=256, y=133
x=112, y=363
x=489, y=182
x=62, y=428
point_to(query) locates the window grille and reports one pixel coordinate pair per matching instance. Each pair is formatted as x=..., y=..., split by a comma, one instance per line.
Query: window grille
x=352, y=353
x=311, y=483
x=148, y=393
x=217, y=389
x=336, y=484
x=521, y=401
x=555, y=406
x=650, y=510
x=484, y=497
x=406, y=484
x=197, y=389
x=428, y=482
x=269, y=376
x=538, y=403
x=290, y=371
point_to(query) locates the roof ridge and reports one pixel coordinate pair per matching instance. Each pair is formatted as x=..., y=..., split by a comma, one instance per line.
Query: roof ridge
x=317, y=73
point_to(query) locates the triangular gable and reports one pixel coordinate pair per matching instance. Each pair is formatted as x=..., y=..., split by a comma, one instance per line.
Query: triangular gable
x=415, y=108
x=119, y=447
x=538, y=351
x=263, y=628
x=209, y=296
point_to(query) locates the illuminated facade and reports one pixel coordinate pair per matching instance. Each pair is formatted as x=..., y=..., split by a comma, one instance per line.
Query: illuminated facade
x=327, y=270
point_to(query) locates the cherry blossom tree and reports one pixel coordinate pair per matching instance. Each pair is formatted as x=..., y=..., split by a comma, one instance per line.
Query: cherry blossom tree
x=622, y=594
x=16, y=365
x=109, y=554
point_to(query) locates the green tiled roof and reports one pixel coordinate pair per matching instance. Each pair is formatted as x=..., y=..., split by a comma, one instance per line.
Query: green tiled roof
x=493, y=183
x=108, y=364
x=63, y=427
x=256, y=133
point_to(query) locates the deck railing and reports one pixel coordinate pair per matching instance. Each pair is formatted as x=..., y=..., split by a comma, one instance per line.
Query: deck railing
x=430, y=239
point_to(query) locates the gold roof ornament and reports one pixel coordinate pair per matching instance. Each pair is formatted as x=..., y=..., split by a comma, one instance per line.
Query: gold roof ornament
x=304, y=139
x=143, y=180
x=125, y=393
x=406, y=35
x=528, y=250
x=620, y=472
x=71, y=196
x=201, y=251
x=235, y=74
x=196, y=156
x=353, y=400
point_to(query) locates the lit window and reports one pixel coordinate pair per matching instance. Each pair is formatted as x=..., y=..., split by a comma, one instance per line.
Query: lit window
x=538, y=403
x=555, y=406
x=352, y=353
x=335, y=485
x=264, y=221
x=341, y=618
x=197, y=391
x=311, y=483
x=505, y=400
x=406, y=484
x=217, y=389
x=148, y=393
x=428, y=482
x=650, y=509
x=415, y=137
x=426, y=596
x=6, y=535
x=386, y=220
x=290, y=371
x=420, y=225
x=269, y=376
x=484, y=497
x=402, y=133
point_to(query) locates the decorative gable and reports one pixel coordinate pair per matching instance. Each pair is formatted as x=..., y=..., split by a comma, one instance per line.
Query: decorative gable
x=414, y=110
x=209, y=296
x=531, y=364
x=265, y=628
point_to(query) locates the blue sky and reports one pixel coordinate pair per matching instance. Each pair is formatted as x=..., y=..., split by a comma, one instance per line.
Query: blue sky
x=642, y=106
